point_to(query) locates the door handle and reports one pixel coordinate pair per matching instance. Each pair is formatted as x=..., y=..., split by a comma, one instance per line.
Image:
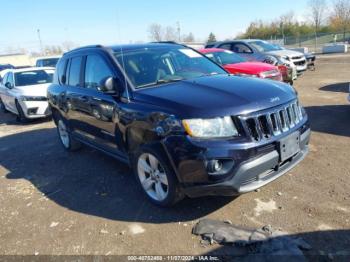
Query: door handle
x=84, y=99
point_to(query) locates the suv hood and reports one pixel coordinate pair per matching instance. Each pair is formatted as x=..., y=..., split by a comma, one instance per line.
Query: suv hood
x=33, y=90
x=285, y=52
x=215, y=96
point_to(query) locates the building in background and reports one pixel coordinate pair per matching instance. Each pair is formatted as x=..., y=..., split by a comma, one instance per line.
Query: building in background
x=17, y=59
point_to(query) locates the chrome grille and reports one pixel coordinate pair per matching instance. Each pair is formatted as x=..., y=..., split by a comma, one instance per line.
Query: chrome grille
x=272, y=122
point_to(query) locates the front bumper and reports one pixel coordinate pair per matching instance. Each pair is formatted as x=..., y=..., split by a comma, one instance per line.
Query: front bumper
x=35, y=109
x=301, y=68
x=255, y=166
x=253, y=174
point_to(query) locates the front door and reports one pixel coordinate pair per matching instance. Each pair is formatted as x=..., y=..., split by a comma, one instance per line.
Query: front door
x=94, y=109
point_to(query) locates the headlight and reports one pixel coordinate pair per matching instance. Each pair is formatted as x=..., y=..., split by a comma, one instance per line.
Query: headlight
x=245, y=75
x=271, y=60
x=285, y=57
x=33, y=98
x=210, y=128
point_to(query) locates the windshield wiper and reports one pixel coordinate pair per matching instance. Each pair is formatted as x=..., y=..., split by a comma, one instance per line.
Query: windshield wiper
x=210, y=74
x=164, y=81
x=161, y=81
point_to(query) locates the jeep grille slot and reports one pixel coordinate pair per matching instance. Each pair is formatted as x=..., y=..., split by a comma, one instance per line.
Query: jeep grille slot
x=264, y=125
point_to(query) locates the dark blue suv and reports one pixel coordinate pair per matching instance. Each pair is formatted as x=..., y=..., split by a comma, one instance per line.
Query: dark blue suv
x=185, y=125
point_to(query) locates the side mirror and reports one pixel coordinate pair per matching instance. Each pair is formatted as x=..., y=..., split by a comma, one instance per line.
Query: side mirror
x=110, y=85
x=9, y=85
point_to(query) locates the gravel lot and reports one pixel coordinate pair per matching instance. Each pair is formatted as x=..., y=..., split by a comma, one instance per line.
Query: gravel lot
x=53, y=202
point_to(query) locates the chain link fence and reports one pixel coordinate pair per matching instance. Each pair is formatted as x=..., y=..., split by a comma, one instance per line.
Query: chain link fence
x=313, y=42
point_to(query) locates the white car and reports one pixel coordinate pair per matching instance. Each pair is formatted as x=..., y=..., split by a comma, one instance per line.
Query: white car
x=24, y=92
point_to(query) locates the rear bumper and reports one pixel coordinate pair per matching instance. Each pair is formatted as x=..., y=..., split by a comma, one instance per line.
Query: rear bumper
x=252, y=174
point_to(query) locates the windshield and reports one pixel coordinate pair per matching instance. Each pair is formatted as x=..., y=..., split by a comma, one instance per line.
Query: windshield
x=49, y=62
x=154, y=66
x=33, y=77
x=226, y=57
x=263, y=46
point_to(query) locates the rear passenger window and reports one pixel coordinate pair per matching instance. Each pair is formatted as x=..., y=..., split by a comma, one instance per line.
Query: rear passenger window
x=61, y=72
x=74, y=71
x=96, y=70
x=226, y=46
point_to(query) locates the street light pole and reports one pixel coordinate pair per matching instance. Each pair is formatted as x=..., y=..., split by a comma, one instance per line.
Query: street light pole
x=41, y=43
x=179, y=31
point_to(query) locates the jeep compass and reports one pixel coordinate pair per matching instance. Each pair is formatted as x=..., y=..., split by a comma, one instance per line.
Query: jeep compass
x=185, y=126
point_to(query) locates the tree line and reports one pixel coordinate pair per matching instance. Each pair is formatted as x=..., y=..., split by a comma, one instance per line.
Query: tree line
x=322, y=17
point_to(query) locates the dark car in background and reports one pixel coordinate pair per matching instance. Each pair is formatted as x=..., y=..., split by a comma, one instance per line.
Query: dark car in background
x=47, y=61
x=6, y=66
x=184, y=124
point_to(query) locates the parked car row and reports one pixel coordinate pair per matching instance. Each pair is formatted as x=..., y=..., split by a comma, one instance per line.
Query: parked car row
x=290, y=63
x=40, y=62
x=189, y=123
x=237, y=65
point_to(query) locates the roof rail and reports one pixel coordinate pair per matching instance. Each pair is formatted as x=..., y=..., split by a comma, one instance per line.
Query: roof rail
x=165, y=42
x=84, y=47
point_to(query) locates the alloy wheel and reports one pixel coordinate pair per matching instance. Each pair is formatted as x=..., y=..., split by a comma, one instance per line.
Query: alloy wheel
x=153, y=177
x=63, y=133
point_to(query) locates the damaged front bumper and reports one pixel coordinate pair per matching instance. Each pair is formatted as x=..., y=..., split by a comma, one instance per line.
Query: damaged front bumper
x=253, y=174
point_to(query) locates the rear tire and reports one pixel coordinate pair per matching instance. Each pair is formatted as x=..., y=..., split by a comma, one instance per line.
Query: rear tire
x=21, y=117
x=156, y=177
x=66, y=139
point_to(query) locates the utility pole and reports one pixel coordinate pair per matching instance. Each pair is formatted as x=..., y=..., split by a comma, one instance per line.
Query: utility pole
x=41, y=43
x=179, y=30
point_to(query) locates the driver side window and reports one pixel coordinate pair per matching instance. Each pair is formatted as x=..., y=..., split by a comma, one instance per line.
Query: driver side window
x=241, y=49
x=96, y=70
x=10, y=79
x=4, y=80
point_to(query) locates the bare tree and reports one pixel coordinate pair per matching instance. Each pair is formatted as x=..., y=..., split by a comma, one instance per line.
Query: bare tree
x=340, y=18
x=155, y=32
x=188, y=38
x=317, y=12
x=170, y=34
x=67, y=46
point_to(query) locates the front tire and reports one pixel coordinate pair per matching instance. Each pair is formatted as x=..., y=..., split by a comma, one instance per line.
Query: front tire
x=2, y=107
x=21, y=117
x=156, y=178
x=67, y=141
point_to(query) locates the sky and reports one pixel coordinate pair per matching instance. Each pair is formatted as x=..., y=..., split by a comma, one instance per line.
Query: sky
x=107, y=22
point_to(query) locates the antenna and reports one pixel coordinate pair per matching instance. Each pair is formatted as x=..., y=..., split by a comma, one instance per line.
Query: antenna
x=122, y=54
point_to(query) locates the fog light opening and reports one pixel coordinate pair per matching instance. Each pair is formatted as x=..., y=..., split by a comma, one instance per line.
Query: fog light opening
x=217, y=166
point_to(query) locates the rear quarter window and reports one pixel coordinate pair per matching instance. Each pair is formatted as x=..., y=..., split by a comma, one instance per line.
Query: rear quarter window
x=61, y=72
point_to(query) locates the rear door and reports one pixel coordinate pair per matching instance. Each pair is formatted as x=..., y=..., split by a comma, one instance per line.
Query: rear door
x=74, y=92
x=11, y=93
x=3, y=90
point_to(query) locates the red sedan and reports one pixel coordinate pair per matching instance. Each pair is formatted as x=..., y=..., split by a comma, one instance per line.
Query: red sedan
x=238, y=65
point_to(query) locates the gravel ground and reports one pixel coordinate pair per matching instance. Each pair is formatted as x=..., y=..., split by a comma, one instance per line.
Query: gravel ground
x=58, y=203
